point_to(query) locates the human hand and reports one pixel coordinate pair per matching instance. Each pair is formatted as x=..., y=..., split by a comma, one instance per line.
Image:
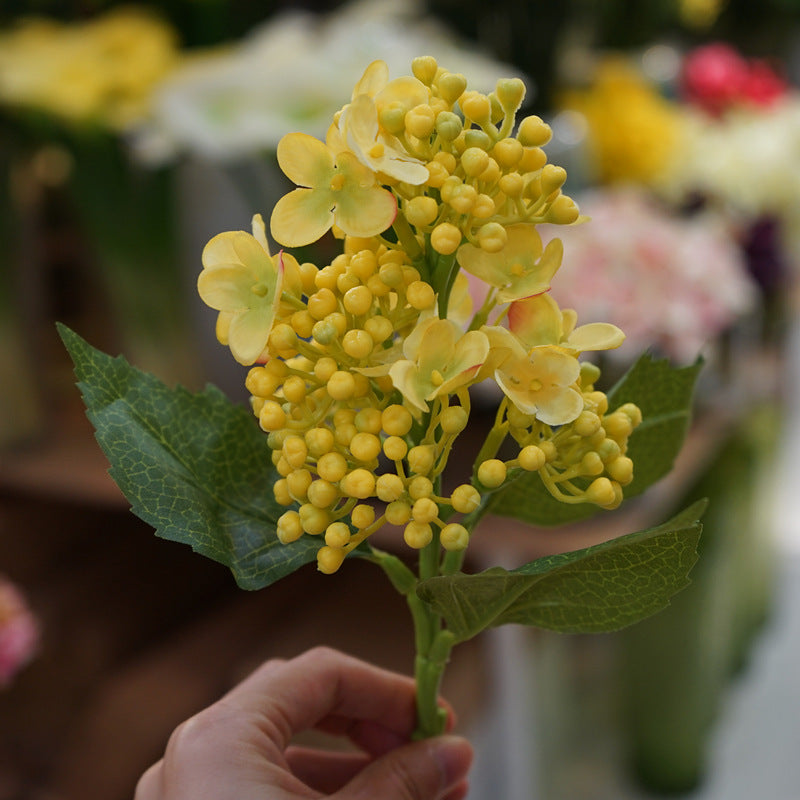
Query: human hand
x=239, y=747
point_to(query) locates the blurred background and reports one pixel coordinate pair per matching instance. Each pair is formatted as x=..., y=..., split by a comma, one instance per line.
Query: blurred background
x=131, y=134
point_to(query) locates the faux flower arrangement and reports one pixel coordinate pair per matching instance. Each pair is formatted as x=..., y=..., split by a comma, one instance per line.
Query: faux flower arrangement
x=360, y=373
x=636, y=265
x=19, y=632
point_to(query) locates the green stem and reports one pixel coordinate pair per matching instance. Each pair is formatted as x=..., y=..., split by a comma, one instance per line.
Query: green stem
x=406, y=237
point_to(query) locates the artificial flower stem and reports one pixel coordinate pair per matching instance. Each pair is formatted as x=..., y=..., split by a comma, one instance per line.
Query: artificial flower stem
x=406, y=237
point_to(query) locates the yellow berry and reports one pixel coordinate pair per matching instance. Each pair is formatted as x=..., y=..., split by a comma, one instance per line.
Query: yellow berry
x=362, y=516
x=512, y=184
x=358, y=300
x=437, y=175
x=424, y=69
x=420, y=295
x=289, y=527
x=379, y=328
x=592, y=464
x=396, y=420
x=319, y=441
x=618, y=426
x=484, y=207
x=510, y=92
x=332, y=467
x=552, y=178
x=445, y=238
x=389, y=487
x=474, y=161
x=463, y=198
x=453, y=420
x=322, y=303
x=363, y=264
x=341, y=385
x=417, y=535
x=451, y=86
x=465, y=498
x=586, y=424
x=420, y=487
x=424, y=510
x=454, y=537
x=365, y=446
x=314, y=519
x=260, y=382
x=600, y=492
x=329, y=559
x=295, y=451
x=359, y=483
x=621, y=470
x=391, y=273
x=507, y=153
x=280, y=489
x=608, y=450
x=395, y=448
x=448, y=126
x=398, y=512
x=322, y=493
x=294, y=389
x=492, y=237
x=563, y=211
x=421, y=458
x=357, y=343
x=421, y=211
x=337, y=534
x=492, y=473
x=283, y=338
x=420, y=121
x=476, y=106
x=324, y=368
x=297, y=483
x=533, y=159
x=534, y=132
x=346, y=281
x=531, y=458
x=272, y=416
x=344, y=434
x=302, y=323
x=632, y=412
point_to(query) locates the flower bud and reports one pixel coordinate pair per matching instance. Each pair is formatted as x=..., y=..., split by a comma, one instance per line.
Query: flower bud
x=357, y=343
x=420, y=486
x=329, y=559
x=474, y=161
x=448, y=125
x=454, y=537
x=418, y=535
x=492, y=473
x=337, y=534
x=453, y=420
x=451, y=86
x=465, y=498
x=395, y=448
x=420, y=295
x=420, y=121
x=359, y=483
x=531, y=458
x=420, y=459
x=476, y=107
x=492, y=237
x=314, y=519
x=421, y=211
x=534, y=132
x=510, y=92
x=398, y=512
x=424, y=69
x=332, y=467
x=445, y=238
x=289, y=528
x=362, y=516
x=424, y=510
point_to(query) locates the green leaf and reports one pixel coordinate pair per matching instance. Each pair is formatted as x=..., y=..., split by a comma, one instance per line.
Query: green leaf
x=599, y=588
x=194, y=466
x=664, y=395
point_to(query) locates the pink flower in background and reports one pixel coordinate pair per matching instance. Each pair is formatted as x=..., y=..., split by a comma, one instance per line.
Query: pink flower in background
x=672, y=284
x=19, y=632
x=716, y=78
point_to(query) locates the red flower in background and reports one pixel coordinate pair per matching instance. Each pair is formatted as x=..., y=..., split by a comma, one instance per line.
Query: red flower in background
x=716, y=77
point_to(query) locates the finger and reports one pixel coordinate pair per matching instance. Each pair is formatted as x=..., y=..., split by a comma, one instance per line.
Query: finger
x=149, y=785
x=325, y=771
x=300, y=693
x=431, y=768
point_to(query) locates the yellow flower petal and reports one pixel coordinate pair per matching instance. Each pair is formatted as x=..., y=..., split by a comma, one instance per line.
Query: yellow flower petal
x=305, y=160
x=595, y=336
x=301, y=217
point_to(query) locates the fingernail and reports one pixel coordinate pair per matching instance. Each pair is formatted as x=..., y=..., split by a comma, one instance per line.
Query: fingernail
x=453, y=754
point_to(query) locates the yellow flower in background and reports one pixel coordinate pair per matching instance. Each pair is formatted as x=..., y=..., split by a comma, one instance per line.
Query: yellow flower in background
x=335, y=190
x=539, y=320
x=101, y=71
x=633, y=130
x=439, y=358
x=243, y=282
x=542, y=381
x=521, y=269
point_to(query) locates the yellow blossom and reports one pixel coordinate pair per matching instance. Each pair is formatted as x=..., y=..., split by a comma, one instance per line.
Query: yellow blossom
x=538, y=320
x=439, y=359
x=521, y=269
x=243, y=282
x=359, y=127
x=542, y=381
x=336, y=189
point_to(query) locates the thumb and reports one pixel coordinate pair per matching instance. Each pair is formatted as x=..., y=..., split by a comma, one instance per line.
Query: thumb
x=423, y=770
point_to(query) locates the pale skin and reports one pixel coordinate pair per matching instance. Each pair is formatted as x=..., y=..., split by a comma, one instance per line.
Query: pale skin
x=240, y=747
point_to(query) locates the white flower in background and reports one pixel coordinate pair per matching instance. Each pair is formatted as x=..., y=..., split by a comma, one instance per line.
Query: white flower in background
x=672, y=284
x=742, y=159
x=288, y=75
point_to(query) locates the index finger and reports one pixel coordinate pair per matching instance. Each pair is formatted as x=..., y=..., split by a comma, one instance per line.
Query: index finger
x=325, y=685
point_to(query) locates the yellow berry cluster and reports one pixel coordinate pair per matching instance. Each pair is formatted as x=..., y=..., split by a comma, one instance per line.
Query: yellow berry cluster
x=328, y=405
x=487, y=175
x=583, y=461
